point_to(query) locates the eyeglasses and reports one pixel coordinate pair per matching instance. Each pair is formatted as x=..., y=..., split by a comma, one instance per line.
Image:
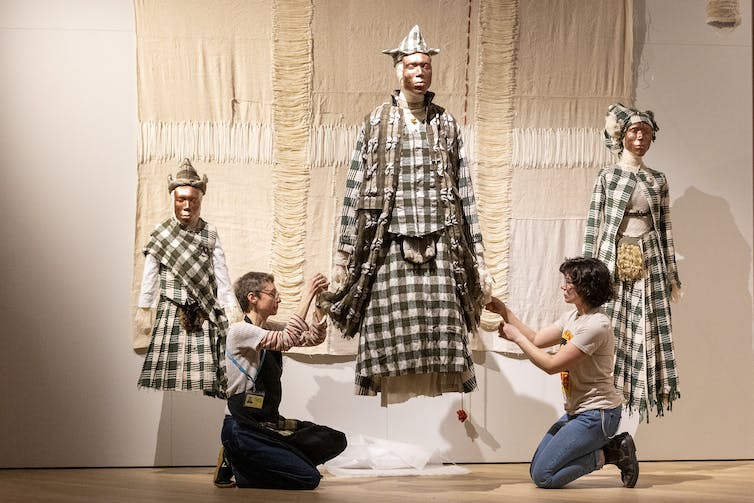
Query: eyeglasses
x=275, y=295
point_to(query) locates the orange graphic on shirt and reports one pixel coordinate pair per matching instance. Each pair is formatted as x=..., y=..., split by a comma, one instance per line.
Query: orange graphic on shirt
x=565, y=377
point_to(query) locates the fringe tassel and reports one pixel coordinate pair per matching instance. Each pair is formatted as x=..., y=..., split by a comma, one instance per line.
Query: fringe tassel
x=496, y=85
x=221, y=142
x=291, y=87
x=557, y=148
x=329, y=145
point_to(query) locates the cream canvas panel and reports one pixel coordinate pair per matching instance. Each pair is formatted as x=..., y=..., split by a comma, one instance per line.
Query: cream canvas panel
x=569, y=74
x=552, y=193
x=204, y=61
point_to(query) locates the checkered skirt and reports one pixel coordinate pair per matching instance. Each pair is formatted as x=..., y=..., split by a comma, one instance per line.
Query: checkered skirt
x=413, y=323
x=641, y=320
x=177, y=360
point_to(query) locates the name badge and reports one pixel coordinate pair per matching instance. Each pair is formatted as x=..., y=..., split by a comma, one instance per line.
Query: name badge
x=254, y=400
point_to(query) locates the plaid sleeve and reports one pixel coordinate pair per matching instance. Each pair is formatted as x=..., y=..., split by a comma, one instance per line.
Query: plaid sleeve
x=594, y=217
x=666, y=235
x=466, y=193
x=351, y=199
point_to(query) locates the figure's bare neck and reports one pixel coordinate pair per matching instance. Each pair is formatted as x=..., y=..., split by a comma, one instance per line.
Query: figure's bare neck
x=630, y=161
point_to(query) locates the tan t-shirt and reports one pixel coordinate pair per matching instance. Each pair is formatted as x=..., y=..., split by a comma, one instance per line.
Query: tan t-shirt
x=589, y=383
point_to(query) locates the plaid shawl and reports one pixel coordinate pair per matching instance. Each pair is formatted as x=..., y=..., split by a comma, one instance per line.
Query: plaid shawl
x=188, y=255
x=645, y=368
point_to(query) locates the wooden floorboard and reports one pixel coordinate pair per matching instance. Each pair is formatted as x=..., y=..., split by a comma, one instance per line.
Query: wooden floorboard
x=683, y=481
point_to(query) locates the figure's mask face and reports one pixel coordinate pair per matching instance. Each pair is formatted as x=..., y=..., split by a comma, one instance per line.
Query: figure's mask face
x=417, y=73
x=638, y=138
x=187, y=204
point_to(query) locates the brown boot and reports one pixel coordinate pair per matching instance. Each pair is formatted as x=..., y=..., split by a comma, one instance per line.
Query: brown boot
x=621, y=452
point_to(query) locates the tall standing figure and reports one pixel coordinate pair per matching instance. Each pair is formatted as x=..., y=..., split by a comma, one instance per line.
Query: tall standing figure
x=628, y=228
x=410, y=254
x=186, y=276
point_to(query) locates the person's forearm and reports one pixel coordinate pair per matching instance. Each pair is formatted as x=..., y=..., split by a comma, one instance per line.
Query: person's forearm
x=283, y=340
x=306, y=302
x=537, y=356
x=523, y=328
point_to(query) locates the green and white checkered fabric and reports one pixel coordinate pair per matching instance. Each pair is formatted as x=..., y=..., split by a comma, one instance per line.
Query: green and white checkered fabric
x=641, y=319
x=178, y=360
x=640, y=313
x=412, y=319
x=413, y=323
x=418, y=210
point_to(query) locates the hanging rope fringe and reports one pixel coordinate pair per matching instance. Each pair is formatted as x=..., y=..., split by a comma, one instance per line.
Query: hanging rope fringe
x=499, y=32
x=330, y=145
x=291, y=87
x=221, y=142
x=557, y=148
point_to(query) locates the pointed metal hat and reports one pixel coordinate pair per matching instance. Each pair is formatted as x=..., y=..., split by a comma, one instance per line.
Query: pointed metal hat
x=414, y=42
x=187, y=175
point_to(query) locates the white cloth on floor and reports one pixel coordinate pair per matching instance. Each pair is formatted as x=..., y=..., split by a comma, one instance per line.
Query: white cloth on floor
x=373, y=457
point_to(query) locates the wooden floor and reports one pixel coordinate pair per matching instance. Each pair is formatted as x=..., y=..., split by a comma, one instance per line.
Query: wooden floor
x=685, y=481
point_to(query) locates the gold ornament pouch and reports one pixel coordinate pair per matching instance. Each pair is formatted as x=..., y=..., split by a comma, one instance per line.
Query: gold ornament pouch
x=629, y=263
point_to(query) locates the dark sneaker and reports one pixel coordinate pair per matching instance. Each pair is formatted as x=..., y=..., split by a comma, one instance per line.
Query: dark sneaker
x=223, y=471
x=621, y=452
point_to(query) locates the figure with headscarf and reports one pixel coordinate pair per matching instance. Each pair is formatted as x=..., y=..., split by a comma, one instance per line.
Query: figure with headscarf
x=410, y=255
x=186, y=276
x=628, y=227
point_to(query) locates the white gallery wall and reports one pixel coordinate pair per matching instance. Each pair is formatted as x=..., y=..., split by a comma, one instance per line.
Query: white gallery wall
x=67, y=201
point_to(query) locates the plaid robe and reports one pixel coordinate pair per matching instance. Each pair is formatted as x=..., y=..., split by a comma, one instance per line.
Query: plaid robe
x=645, y=367
x=176, y=359
x=412, y=319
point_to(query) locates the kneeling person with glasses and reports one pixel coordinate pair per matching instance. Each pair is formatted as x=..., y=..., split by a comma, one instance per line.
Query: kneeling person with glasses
x=261, y=448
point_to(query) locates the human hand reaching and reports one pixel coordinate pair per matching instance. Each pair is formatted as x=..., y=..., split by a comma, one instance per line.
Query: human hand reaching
x=317, y=284
x=509, y=332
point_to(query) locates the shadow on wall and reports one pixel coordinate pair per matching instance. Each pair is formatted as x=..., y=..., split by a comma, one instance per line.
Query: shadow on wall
x=189, y=431
x=518, y=421
x=712, y=329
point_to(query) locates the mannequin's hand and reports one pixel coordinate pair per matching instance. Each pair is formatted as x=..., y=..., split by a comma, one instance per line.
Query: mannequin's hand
x=144, y=321
x=340, y=269
x=676, y=294
x=486, y=281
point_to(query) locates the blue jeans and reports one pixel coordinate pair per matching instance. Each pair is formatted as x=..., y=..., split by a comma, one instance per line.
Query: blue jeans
x=267, y=461
x=570, y=448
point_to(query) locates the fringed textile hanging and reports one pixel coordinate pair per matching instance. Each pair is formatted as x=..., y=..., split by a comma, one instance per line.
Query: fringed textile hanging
x=495, y=88
x=291, y=86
